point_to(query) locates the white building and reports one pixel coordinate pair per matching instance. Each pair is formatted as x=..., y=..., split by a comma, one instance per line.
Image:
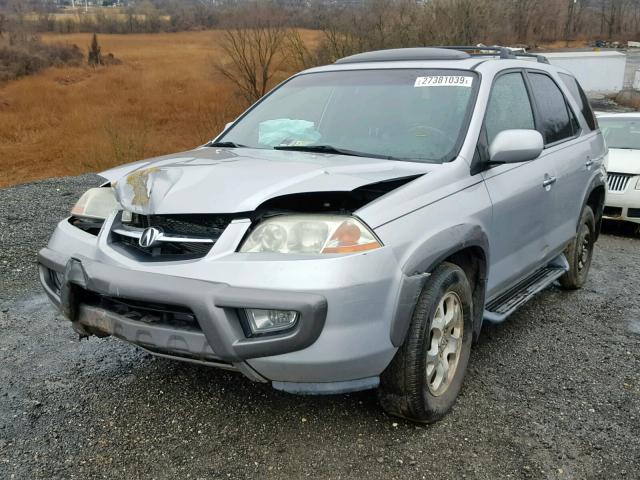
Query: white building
x=598, y=71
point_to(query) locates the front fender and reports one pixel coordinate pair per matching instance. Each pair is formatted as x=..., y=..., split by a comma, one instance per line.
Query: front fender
x=442, y=245
x=424, y=259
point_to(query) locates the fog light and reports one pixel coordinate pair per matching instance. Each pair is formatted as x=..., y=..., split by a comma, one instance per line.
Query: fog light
x=266, y=321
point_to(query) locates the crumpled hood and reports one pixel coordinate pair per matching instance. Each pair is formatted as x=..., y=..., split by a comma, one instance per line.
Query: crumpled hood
x=219, y=180
x=624, y=161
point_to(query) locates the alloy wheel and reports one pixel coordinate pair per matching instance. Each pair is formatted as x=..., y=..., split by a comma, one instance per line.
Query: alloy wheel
x=445, y=342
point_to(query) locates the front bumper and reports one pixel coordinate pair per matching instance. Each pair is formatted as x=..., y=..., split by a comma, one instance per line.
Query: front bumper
x=346, y=306
x=623, y=206
x=215, y=306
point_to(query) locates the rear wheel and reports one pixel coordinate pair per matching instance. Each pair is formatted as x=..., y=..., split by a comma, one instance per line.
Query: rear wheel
x=424, y=378
x=580, y=252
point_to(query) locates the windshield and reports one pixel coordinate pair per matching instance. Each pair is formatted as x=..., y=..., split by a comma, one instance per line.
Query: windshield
x=409, y=114
x=621, y=132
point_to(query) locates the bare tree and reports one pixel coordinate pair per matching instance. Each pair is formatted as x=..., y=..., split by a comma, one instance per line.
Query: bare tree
x=253, y=53
x=575, y=14
x=298, y=51
x=95, y=55
x=612, y=14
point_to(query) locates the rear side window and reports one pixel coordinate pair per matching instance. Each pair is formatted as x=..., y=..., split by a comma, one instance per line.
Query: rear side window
x=509, y=106
x=555, y=117
x=581, y=98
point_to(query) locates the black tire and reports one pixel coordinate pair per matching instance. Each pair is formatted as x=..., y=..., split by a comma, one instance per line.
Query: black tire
x=404, y=389
x=580, y=252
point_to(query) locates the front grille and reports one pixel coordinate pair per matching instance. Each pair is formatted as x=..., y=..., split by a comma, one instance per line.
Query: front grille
x=613, y=212
x=185, y=250
x=190, y=226
x=618, y=182
x=147, y=312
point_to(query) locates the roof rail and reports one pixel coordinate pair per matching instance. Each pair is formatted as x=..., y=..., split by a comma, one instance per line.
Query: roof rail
x=503, y=52
x=405, y=54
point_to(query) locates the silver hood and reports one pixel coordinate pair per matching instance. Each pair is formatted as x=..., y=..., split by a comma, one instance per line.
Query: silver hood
x=219, y=180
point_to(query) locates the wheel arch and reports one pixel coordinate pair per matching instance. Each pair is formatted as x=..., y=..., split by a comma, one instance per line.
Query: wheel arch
x=466, y=246
x=596, y=200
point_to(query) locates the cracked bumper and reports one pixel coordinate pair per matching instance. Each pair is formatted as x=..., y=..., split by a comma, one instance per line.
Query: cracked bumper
x=215, y=306
x=341, y=341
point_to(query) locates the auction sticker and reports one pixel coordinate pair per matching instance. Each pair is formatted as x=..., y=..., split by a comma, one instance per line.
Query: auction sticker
x=444, y=81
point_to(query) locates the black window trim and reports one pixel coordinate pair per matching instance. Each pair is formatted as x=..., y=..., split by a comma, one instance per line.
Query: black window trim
x=583, y=100
x=481, y=155
x=536, y=110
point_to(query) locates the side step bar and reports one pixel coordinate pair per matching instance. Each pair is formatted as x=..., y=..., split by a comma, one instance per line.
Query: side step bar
x=498, y=309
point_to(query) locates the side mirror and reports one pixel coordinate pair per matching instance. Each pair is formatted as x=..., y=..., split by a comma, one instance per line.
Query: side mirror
x=514, y=146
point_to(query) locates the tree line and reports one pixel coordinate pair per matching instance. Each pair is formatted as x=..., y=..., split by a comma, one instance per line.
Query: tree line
x=261, y=42
x=379, y=22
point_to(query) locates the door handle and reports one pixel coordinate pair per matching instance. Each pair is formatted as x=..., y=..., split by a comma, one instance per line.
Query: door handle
x=588, y=163
x=549, y=181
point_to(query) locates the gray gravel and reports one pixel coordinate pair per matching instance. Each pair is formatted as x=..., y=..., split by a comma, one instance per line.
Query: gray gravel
x=552, y=393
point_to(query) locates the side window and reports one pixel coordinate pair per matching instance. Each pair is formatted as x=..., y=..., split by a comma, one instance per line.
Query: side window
x=581, y=98
x=555, y=122
x=509, y=106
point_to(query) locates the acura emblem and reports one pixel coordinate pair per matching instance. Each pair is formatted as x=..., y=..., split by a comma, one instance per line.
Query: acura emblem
x=149, y=237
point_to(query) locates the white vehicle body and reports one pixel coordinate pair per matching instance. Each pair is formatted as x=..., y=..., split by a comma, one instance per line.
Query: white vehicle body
x=623, y=190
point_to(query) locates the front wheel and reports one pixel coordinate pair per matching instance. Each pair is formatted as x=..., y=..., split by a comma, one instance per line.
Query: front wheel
x=423, y=380
x=580, y=252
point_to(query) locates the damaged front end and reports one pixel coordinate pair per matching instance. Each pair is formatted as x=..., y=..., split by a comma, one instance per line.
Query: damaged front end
x=185, y=204
x=198, y=259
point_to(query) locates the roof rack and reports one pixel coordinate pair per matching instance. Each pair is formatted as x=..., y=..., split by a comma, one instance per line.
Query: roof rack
x=436, y=53
x=503, y=52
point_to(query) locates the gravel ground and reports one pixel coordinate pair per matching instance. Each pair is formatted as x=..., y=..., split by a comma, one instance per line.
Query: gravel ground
x=552, y=393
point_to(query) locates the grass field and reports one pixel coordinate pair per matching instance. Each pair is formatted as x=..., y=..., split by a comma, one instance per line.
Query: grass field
x=165, y=97
x=91, y=13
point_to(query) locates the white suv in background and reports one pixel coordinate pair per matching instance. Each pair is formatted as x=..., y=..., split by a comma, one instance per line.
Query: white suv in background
x=622, y=134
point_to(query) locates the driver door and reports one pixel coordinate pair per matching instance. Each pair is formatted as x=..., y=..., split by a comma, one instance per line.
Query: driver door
x=520, y=192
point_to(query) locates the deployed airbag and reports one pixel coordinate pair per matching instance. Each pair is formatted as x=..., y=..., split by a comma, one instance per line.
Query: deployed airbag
x=286, y=131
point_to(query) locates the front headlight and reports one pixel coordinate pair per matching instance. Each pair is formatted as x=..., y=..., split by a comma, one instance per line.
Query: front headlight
x=311, y=234
x=96, y=203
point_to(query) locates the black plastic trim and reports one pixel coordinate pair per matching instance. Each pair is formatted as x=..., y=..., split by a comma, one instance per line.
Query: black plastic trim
x=214, y=304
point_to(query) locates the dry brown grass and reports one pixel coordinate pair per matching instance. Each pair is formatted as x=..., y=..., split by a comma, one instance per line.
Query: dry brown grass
x=164, y=98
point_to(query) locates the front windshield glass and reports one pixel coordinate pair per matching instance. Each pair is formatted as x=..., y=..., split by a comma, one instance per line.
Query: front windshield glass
x=412, y=114
x=621, y=132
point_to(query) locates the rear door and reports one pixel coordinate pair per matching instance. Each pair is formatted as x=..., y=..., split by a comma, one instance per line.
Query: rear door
x=521, y=202
x=566, y=151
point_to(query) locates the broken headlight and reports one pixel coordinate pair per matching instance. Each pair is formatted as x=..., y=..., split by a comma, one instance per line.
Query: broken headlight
x=311, y=234
x=96, y=203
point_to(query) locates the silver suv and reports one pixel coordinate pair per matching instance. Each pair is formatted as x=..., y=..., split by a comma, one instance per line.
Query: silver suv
x=352, y=230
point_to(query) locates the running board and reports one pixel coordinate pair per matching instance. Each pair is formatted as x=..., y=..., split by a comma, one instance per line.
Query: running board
x=498, y=309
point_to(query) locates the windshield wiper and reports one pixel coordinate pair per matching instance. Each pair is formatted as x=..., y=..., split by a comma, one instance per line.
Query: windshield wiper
x=331, y=149
x=226, y=145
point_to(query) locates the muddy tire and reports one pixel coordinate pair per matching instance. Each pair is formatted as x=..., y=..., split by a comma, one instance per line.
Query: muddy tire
x=580, y=252
x=423, y=380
